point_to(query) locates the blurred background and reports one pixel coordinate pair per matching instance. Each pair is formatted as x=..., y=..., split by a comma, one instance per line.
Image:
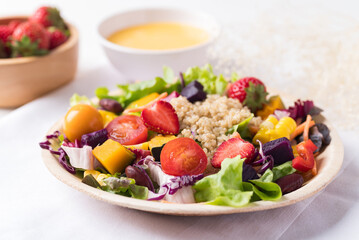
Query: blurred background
x=309, y=49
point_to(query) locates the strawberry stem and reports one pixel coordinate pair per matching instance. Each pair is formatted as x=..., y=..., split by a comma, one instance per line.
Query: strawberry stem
x=256, y=96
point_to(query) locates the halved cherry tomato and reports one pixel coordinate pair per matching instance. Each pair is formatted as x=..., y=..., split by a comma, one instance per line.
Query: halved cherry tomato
x=305, y=161
x=82, y=119
x=183, y=156
x=127, y=130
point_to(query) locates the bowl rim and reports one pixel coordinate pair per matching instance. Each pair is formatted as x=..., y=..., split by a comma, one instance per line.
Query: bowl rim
x=118, y=48
x=333, y=155
x=73, y=39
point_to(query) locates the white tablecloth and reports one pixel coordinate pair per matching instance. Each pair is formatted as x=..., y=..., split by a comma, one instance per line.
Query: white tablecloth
x=35, y=205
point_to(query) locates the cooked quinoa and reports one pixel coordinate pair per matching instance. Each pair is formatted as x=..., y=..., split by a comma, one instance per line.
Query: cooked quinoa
x=208, y=121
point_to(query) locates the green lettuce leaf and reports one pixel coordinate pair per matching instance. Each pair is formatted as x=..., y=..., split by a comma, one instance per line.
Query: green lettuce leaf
x=282, y=170
x=134, y=91
x=168, y=75
x=242, y=128
x=268, y=191
x=267, y=176
x=212, y=84
x=227, y=189
x=277, y=172
x=77, y=99
x=234, y=77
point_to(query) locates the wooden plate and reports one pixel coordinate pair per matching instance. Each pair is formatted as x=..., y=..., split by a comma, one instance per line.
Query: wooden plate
x=329, y=163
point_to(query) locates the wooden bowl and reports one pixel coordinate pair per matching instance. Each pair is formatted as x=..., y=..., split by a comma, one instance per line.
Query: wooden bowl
x=25, y=79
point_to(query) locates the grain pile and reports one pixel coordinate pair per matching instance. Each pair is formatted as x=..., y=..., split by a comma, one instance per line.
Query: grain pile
x=207, y=122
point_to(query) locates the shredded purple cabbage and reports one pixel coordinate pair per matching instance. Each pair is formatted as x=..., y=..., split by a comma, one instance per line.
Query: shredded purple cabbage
x=95, y=138
x=76, y=144
x=64, y=162
x=47, y=144
x=174, y=94
x=182, y=181
x=140, y=154
x=174, y=183
x=60, y=152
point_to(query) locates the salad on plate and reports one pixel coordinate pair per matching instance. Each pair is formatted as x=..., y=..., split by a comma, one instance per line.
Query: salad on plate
x=192, y=138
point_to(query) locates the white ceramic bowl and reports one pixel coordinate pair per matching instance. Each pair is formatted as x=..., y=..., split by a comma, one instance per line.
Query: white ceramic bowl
x=137, y=64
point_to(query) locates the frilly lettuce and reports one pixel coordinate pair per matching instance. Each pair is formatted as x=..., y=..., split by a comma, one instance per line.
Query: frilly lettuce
x=125, y=186
x=226, y=187
x=77, y=99
x=212, y=84
x=168, y=83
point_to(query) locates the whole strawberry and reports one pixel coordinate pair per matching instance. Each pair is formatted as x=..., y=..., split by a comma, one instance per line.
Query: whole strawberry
x=5, y=33
x=30, y=39
x=57, y=37
x=48, y=16
x=13, y=24
x=250, y=91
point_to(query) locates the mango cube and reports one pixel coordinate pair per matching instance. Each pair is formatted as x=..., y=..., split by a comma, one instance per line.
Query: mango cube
x=113, y=156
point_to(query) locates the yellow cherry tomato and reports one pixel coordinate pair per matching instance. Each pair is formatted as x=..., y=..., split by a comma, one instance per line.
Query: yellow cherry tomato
x=82, y=119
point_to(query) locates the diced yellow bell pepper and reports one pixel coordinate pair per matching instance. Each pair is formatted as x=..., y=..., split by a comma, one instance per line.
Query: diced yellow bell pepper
x=284, y=128
x=265, y=130
x=275, y=102
x=107, y=116
x=143, y=101
x=272, y=129
x=143, y=146
x=113, y=156
x=94, y=173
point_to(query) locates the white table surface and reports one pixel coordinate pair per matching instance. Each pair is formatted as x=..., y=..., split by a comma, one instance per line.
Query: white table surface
x=35, y=205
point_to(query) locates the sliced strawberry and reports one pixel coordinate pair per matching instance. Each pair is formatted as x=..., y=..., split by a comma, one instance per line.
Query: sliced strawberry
x=232, y=148
x=161, y=117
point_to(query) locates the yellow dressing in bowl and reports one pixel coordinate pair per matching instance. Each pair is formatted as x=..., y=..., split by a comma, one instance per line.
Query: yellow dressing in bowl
x=159, y=36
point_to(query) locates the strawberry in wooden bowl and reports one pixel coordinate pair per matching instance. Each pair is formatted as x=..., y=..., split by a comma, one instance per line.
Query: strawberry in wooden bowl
x=37, y=54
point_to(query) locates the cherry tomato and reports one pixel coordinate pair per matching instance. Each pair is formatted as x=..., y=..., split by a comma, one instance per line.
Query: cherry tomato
x=127, y=130
x=183, y=156
x=81, y=119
